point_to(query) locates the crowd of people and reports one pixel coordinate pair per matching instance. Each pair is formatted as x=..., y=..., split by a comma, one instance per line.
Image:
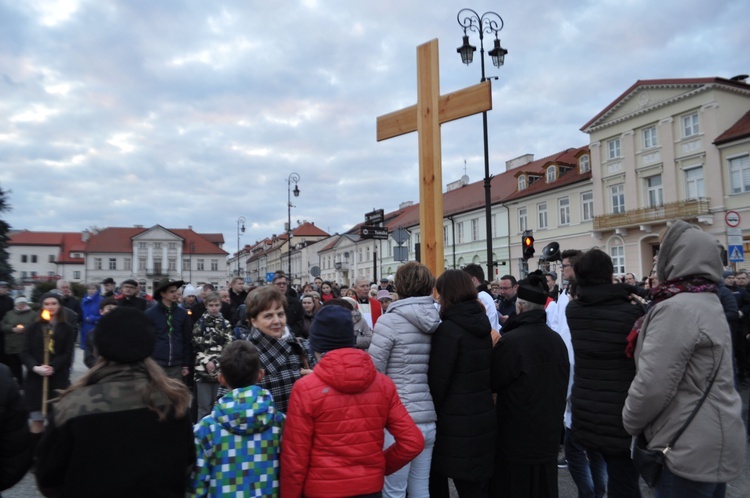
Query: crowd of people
x=390, y=389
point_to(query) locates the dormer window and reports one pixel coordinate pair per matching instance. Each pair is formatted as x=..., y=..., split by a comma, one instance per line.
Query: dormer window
x=551, y=174
x=584, y=164
x=533, y=178
x=522, y=182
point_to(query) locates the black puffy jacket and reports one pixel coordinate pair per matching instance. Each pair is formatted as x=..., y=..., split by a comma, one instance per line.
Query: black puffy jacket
x=600, y=320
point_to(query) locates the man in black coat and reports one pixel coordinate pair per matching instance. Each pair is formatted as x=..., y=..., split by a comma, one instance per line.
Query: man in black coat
x=530, y=370
x=129, y=297
x=600, y=320
x=295, y=313
x=17, y=448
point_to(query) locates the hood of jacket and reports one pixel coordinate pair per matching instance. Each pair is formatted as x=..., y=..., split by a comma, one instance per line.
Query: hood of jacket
x=688, y=251
x=246, y=410
x=418, y=311
x=471, y=316
x=347, y=370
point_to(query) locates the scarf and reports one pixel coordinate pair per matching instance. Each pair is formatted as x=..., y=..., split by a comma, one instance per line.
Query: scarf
x=664, y=291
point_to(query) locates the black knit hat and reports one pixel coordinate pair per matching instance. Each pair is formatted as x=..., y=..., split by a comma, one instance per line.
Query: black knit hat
x=533, y=289
x=125, y=335
x=333, y=328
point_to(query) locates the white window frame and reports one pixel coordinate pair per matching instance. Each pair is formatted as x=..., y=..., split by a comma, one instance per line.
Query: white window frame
x=460, y=232
x=523, y=219
x=542, y=217
x=587, y=205
x=563, y=205
x=214, y=264
x=200, y=264
x=617, y=253
x=690, y=125
x=614, y=149
x=649, y=138
x=445, y=235
x=112, y=264
x=739, y=174
x=522, y=182
x=127, y=263
x=695, y=181
x=475, y=229
x=97, y=263
x=551, y=174
x=584, y=164
x=617, y=198
x=654, y=192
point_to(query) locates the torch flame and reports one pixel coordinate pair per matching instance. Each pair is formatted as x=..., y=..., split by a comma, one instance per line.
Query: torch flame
x=45, y=315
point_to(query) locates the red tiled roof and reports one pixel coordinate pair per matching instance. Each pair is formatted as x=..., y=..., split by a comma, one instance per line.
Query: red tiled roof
x=308, y=229
x=28, y=238
x=119, y=239
x=739, y=130
x=216, y=238
x=71, y=242
x=665, y=82
x=567, y=158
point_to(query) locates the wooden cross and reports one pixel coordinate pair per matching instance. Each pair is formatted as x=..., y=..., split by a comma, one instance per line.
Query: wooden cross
x=432, y=110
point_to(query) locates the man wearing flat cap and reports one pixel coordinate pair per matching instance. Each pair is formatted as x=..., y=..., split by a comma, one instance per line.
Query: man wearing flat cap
x=173, y=330
x=129, y=297
x=530, y=371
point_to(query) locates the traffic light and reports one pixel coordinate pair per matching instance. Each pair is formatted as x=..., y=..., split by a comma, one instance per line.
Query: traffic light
x=527, y=243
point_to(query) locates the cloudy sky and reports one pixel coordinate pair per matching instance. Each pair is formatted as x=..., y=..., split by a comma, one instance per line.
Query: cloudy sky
x=189, y=112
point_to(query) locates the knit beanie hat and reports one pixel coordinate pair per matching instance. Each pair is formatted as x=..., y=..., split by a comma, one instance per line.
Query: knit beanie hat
x=332, y=328
x=727, y=273
x=51, y=294
x=125, y=335
x=189, y=291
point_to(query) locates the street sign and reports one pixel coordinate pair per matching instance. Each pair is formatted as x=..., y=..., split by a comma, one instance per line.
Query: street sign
x=732, y=218
x=269, y=276
x=400, y=253
x=400, y=235
x=375, y=217
x=736, y=254
x=372, y=232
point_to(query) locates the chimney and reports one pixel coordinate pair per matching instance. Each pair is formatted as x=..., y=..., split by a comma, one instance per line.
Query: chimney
x=519, y=161
x=85, y=236
x=405, y=204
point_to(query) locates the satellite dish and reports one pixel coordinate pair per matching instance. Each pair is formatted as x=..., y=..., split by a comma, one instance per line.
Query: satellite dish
x=465, y=180
x=551, y=252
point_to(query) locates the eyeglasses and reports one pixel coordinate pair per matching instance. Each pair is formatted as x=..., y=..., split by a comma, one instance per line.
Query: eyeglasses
x=280, y=284
x=563, y=266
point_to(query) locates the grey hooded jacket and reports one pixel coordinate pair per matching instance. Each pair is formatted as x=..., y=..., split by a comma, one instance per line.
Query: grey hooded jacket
x=683, y=341
x=400, y=349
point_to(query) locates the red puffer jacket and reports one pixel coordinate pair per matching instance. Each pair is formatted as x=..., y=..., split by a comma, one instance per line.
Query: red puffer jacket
x=333, y=435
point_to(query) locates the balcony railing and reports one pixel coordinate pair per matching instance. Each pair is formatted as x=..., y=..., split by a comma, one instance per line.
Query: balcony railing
x=690, y=208
x=343, y=266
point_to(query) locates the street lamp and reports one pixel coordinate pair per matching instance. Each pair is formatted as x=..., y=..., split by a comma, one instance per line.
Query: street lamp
x=293, y=177
x=489, y=22
x=240, y=221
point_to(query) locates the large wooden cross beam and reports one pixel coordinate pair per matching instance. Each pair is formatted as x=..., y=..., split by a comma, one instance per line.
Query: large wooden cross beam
x=432, y=110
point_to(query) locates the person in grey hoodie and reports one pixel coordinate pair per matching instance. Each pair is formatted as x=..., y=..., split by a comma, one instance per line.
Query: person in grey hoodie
x=683, y=342
x=400, y=349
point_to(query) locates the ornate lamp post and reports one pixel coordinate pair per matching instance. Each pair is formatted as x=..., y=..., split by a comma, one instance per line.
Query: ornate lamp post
x=293, y=177
x=240, y=227
x=489, y=22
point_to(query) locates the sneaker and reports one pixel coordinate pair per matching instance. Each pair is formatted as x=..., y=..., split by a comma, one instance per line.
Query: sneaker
x=562, y=463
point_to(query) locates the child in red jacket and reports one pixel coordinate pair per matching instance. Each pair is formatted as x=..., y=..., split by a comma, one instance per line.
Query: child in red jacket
x=333, y=437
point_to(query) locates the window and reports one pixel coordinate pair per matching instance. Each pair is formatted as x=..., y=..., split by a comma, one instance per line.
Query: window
x=542, y=214
x=33, y=258
x=200, y=264
x=24, y=274
x=359, y=257
x=172, y=246
x=460, y=232
x=617, y=193
x=77, y=275
x=157, y=245
x=127, y=263
x=494, y=225
x=24, y=258
x=50, y=274
x=522, y=182
x=649, y=137
x=141, y=245
x=172, y=264
x=613, y=148
x=475, y=229
x=551, y=174
x=141, y=264
x=51, y=258
x=617, y=253
x=654, y=191
x=214, y=265
x=587, y=206
x=564, y=205
x=445, y=235
x=185, y=263
x=157, y=266
x=523, y=220
x=739, y=174
x=584, y=164
x=694, y=183
x=112, y=263
x=33, y=274
x=690, y=125
x=97, y=263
